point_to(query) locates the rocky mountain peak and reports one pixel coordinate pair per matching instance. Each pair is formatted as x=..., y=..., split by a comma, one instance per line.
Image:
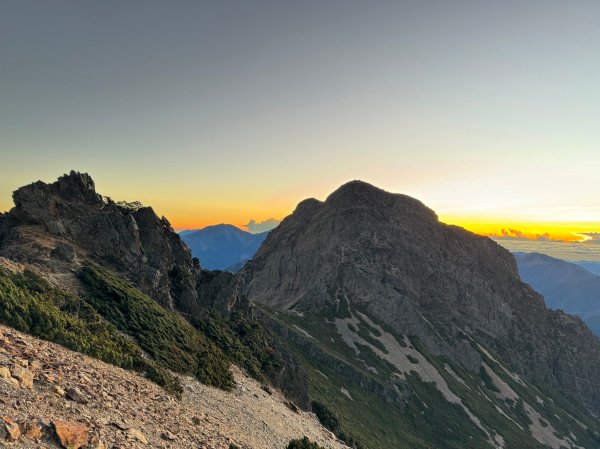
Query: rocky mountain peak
x=75, y=183
x=362, y=195
x=388, y=255
x=357, y=188
x=356, y=191
x=382, y=305
x=61, y=224
x=66, y=232
x=307, y=207
x=40, y=201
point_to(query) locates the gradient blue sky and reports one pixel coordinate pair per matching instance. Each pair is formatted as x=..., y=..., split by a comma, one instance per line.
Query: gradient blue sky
x=222, y=111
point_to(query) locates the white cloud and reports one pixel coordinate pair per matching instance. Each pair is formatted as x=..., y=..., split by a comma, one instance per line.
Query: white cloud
x=255, y=227
x=592, y=237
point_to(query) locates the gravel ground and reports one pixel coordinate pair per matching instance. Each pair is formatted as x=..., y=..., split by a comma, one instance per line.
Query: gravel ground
x=42, y=383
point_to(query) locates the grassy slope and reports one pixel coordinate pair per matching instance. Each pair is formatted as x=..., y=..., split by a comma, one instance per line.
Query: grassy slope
x=99, y=324
x=167, y=337
x=30, y=304
x=428, y=420
x=204, y=346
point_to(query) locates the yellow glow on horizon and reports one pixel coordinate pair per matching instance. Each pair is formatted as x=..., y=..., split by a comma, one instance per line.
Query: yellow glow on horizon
x=561, y=232
x=183, y=217
x=187, y=206
x=565, y=232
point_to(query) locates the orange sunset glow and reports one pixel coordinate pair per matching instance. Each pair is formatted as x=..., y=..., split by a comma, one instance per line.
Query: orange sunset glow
x=235, y=122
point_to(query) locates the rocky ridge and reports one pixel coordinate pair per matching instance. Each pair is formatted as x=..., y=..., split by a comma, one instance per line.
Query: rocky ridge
x=55, y=226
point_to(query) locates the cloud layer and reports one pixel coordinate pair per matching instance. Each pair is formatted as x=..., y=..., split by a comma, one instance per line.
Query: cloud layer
x=511, y=234
x=255, y=227
x=593, y=237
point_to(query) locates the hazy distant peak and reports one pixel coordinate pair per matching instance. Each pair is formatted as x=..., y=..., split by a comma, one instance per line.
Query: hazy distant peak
x=565, y=285
x=564, y=268
x=222, y=227
x=223, y=246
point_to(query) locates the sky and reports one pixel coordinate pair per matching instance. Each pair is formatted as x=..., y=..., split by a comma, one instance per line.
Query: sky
x=234, y=111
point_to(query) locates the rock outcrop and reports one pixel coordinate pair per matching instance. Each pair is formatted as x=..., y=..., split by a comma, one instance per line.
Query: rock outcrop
x=55, y=225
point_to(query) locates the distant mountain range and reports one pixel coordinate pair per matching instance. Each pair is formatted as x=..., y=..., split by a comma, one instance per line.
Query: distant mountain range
x=223, y=247
x=566, y=286
x=592, y=267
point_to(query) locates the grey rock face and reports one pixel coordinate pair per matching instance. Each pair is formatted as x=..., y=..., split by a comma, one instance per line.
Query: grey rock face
x=52, y=224
x=389, y=254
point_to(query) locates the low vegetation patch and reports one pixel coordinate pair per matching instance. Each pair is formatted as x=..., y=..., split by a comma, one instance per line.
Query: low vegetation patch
x=412, y=359
x=303, y=443
x=487, y=380
x=167, y=337
x=30, y=304
x=330, y=421
x=242, y=339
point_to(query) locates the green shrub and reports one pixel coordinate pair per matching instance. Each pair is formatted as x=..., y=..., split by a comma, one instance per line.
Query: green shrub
x=330, y=422
x=412, y=359
x=166, y=336
x=243, y=339
x=487, y=380
x=326, y=417
x=303, y=443
x=521, y=413
x=111, y=307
